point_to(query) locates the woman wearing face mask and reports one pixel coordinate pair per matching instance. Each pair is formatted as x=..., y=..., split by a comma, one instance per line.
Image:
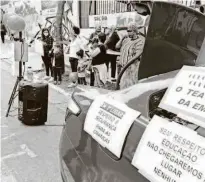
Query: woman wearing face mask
x=47, y=40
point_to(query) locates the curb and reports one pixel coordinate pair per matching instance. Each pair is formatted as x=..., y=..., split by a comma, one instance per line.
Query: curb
x=59, y=90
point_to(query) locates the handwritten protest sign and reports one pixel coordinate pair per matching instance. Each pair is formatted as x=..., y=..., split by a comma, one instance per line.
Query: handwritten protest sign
x=169, y=152
x=186, y=96
x=108, y=122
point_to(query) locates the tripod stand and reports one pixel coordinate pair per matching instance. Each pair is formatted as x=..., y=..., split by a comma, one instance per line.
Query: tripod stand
x=19, y=78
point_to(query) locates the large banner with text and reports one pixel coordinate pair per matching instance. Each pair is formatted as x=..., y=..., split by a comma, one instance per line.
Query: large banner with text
x=169, y=152
x=186, y=96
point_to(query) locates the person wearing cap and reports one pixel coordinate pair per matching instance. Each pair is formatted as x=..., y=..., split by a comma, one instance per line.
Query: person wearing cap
x=131, y=47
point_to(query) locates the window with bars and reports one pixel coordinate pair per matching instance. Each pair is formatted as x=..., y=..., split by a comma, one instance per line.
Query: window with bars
x=98, y=7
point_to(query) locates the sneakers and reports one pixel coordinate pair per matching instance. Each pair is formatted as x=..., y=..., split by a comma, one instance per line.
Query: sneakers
x=55, y=82
x=72, y=85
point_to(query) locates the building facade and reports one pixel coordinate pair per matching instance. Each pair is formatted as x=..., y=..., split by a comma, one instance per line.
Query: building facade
x=98, y=7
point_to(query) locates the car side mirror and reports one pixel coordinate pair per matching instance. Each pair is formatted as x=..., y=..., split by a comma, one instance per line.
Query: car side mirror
x=154, y=102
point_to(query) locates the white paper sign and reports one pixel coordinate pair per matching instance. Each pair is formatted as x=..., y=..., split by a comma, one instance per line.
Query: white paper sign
x=108, y=122
x=49, y=12
x=186, y=95
x=169, y=152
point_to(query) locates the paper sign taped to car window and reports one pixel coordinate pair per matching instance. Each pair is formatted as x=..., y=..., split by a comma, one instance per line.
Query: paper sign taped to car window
x=186, y=95
x=169, y=152
x=108, y=122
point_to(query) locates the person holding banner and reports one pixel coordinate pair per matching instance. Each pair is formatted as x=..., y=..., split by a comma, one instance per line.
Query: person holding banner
x=47, y=40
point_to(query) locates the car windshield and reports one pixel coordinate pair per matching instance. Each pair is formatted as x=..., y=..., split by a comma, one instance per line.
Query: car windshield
x=174, y=38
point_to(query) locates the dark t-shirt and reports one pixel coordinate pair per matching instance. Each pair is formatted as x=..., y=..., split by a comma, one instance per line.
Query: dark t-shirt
x=3, y=28
x=101, y=57
x=49, y=44
x=58, y=60
x=113, y=41
x=94, y=34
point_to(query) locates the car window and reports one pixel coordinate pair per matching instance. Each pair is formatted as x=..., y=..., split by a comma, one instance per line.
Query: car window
x=174, y=38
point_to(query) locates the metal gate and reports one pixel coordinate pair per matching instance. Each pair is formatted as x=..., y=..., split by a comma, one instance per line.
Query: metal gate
x=98, y=7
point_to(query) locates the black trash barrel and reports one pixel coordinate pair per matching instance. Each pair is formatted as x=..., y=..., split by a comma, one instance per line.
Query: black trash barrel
x=33, y=103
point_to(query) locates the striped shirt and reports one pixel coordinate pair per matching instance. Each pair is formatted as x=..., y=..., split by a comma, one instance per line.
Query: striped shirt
x=131, y=48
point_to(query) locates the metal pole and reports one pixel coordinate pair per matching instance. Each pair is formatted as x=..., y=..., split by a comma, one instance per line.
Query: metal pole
x=20, y=63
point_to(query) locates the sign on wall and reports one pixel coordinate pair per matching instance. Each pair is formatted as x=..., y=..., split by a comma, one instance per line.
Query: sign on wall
x=186, y=96
x=108, y=122
x=117, y=19
x=169, y=152
x=49, y=8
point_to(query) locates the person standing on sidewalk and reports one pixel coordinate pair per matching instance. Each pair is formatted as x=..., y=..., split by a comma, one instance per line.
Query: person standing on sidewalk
x=47, y=40
x=99, y=61
x=3, y=32
x=111, y=41
x=81, y=67
x=131, y=47
x=75, y=45
x=57, y=62
x=92, y=47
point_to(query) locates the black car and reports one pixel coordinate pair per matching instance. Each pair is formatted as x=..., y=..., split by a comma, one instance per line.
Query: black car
x=174, y=39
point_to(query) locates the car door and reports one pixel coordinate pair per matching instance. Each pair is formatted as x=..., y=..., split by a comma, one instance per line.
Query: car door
x=89, y=161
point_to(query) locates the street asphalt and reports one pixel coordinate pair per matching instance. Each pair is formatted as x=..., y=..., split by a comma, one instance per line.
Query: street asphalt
x=30, y=153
